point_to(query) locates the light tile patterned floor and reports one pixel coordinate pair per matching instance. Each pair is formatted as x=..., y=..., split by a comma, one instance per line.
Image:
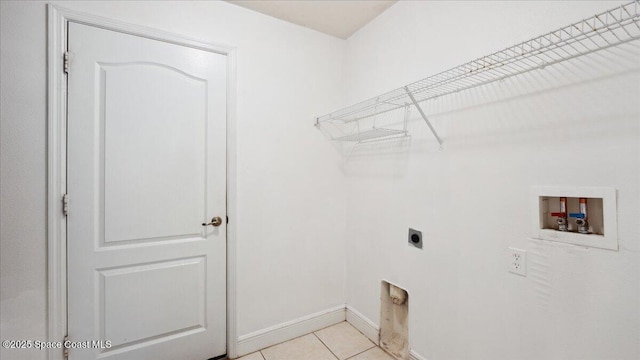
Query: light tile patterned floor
x=341, y=341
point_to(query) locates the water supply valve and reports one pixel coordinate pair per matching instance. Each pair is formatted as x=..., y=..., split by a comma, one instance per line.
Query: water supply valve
x=581, y=217
x=581, y=222
x=563, y=224
x=561, y=221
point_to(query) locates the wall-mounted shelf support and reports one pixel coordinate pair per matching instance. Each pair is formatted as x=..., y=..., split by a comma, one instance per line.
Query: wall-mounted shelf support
x=433, y=130
x=385, y=112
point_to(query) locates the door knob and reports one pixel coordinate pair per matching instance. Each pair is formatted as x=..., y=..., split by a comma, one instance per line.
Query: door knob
x=215, y=221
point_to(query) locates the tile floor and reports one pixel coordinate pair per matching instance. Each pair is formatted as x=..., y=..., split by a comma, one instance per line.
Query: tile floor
x=341, y=341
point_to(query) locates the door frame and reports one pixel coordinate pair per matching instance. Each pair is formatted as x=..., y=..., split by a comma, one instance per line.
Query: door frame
x=58, y=18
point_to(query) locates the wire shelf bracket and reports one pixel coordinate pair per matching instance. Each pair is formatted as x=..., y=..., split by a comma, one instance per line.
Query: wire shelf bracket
x=415, y=103
x=610, y=28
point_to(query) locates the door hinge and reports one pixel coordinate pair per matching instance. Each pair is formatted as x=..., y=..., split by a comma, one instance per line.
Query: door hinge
x=66, y=62
x=65, y=351
x=65, y=204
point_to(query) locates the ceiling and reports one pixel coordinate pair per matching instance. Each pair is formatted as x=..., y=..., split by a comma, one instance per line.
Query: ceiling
x=340, y=18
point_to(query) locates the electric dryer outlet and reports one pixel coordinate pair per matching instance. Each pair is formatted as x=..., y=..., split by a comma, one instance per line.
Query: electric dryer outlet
x=415, y=238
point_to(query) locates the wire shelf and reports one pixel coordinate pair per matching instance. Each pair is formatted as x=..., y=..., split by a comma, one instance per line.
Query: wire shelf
x=604, y=30
x=386, y=125
x=370, y=134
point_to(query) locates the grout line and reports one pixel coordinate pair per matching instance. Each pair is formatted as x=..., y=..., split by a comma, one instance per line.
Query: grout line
x=363, y=351
x=366, y=337
x=325, y=345
x=373, y=345
x=326, y=327
x=280, y=343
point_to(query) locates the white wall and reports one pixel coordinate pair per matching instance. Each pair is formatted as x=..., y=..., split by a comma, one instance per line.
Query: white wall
x=291, y=213
x=471, y=199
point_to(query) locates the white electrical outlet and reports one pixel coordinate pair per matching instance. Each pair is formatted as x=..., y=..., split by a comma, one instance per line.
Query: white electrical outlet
x=518, y=261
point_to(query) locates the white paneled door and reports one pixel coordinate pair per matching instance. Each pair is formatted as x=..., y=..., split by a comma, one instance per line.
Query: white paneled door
x=146, y=168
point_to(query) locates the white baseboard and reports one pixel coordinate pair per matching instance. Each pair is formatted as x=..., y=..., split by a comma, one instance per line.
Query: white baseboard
x=289, y=330
x=364, y=325
x=415, y=356
x=371, y=330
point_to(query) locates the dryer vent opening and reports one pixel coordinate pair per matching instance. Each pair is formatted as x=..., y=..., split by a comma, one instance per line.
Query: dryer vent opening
x=394, y=320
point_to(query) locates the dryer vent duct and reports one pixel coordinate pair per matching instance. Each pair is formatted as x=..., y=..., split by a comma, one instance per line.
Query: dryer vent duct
x=394, y=321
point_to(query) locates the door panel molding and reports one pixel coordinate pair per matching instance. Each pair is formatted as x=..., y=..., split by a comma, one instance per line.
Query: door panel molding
x=115, y=310
x=58, y=19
